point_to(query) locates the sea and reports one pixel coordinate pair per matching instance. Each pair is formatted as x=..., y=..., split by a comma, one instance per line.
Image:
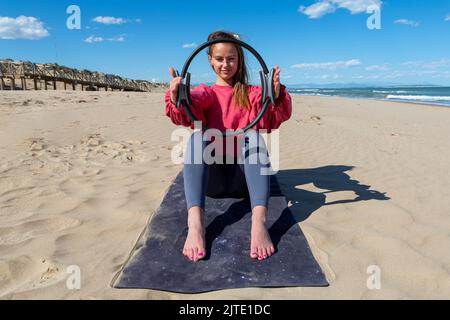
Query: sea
x=424, y=95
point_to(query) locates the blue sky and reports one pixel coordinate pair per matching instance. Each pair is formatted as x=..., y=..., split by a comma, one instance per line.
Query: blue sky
x=313, y=41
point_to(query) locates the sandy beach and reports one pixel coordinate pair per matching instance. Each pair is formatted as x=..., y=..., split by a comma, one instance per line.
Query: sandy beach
x=81, y=173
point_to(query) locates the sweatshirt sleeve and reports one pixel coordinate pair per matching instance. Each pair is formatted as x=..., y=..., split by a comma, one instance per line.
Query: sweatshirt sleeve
x=275, y=115
x=202, y=100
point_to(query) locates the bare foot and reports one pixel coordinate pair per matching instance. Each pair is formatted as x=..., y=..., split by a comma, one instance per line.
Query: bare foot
x=261, y=246
x=194, y=247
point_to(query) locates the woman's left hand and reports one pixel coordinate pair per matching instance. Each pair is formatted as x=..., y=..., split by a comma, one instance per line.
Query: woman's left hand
x=276, y=81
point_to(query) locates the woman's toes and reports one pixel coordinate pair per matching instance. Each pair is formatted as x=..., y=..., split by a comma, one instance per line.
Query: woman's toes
x=198, y=254
x=253, y=252
x=264, y=253
x=195, y=254
x=260, y=253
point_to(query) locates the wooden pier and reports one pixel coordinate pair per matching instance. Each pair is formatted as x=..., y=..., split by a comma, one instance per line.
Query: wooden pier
x=15, y=75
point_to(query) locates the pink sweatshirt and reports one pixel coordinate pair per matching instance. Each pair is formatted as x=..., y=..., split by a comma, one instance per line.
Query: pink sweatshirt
x=214, y=106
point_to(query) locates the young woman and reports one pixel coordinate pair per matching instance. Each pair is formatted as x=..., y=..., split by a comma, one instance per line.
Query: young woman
x=228, y=104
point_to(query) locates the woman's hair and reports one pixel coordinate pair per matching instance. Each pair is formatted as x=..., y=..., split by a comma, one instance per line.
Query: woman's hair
x=240, y=89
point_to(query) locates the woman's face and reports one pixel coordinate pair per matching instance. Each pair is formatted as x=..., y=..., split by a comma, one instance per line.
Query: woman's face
x=224, y=59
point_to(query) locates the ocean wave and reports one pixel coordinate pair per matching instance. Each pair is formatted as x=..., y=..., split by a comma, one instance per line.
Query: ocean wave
x=313, y=94
x=306, y=90
x=390, y=91
x=421, y=98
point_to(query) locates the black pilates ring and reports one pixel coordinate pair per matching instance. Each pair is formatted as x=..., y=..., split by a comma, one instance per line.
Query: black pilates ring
x=268, y=91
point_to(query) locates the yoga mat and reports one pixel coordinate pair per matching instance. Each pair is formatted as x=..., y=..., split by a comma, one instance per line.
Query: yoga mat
x=157, y=262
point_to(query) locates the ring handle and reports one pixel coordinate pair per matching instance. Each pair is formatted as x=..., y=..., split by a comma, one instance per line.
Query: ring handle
x=268, y=92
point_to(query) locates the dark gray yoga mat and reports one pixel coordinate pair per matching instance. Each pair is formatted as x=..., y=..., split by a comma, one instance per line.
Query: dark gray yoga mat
x=157, y=261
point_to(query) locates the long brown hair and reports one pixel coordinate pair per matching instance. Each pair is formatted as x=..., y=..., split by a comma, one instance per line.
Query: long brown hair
x=240, y=87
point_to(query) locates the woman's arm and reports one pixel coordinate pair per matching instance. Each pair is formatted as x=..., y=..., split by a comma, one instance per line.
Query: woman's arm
x=202, y=100
x=275, y=115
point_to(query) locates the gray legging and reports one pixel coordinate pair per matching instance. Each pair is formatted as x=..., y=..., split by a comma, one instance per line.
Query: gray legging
x=255, y=160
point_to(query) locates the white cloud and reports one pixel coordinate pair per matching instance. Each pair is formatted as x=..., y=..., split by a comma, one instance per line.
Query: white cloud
x=442, y=63
x=328, y=65
x=109, y=20
x=407, y=22
x=330, y=76
x=437, y=64
x=445, y=74
x=117, y=39
x=22, y=27
x=317, y=10
x=382, y=67
x=323, y=7
x=412, y=63
x=189, y=45
x=94, y=39
x=447, y=18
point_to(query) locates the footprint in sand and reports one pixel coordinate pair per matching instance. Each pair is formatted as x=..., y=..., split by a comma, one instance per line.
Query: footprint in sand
x=74, y=123
x=19, y=233
x=316, y=119
x=92, y=140
x=26, y=102
x=24, y=273
x=64, y=244
x=36, y=144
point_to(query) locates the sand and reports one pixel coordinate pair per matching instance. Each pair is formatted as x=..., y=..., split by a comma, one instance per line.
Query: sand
x=81, y=173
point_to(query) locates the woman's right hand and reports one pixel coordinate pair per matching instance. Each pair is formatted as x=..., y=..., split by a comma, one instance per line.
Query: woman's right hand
x=174, y=84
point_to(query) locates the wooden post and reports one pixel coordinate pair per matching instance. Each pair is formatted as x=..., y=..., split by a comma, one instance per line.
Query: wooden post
x=1, y=83
x=65, y=85
x=54, y=84
x=74, y=86
x=35, y=84
x=82, y=87
x=45, y=81
x=24, y=84
x=13, y=84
